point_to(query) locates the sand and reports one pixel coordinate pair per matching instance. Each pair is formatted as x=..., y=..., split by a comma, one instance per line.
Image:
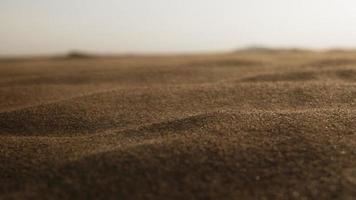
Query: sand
x=245, y=125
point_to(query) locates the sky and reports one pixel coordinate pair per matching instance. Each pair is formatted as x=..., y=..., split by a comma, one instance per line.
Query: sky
x=31, y=27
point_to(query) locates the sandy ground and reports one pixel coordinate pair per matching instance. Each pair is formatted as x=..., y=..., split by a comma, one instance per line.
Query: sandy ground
x=249, y=125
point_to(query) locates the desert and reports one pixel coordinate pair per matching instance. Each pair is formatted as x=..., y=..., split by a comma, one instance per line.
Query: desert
x=251, y=124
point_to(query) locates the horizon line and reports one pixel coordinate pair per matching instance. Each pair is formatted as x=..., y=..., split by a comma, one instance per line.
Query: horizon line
x=248, y=48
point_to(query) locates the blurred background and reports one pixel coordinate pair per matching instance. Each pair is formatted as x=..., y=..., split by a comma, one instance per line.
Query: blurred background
x=41, y=27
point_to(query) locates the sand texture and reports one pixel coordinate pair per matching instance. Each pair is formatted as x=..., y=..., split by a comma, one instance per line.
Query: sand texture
x=246, y=125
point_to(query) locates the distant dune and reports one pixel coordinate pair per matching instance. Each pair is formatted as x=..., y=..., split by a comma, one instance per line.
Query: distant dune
x=78, y=55
x=245, y=125
x=263, y=49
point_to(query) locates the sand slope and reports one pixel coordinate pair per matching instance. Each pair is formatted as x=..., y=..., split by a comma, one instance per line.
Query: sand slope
x=261, y=125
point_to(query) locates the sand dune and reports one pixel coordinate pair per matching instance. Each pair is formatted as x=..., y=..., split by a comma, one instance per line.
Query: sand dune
x=249, y=125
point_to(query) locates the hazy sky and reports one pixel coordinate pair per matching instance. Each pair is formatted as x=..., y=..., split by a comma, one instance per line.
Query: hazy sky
x=127, y=26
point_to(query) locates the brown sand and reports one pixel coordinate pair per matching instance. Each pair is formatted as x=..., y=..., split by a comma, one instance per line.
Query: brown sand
x=249, y=125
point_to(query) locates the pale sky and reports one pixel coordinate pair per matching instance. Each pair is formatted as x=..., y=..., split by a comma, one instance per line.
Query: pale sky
x=30, y=27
